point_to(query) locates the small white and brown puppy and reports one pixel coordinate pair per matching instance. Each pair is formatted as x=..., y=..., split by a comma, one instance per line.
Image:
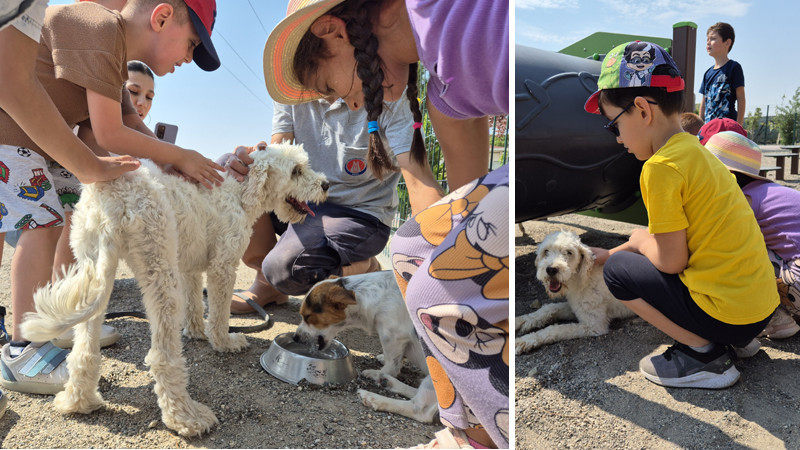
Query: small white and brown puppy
x=373, y=303
x=566, y=268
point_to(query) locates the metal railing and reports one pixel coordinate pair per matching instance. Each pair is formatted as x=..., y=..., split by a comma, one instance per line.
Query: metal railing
x=498, y=144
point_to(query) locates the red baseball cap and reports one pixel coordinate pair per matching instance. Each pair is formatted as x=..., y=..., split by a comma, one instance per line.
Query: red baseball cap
x=204, y=14
x=714, y=126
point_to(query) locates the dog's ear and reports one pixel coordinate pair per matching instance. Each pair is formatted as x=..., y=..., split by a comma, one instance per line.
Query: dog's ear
x=587, y=260
x=343, y=298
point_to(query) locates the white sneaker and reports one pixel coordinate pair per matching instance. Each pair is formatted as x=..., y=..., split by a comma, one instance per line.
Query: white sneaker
x=108, y=336
x=39, y=369
x=781, y=325
x=748, y=350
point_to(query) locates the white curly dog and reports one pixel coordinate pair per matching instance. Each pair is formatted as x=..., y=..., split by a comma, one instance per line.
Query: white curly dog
x=565, y=266
x=169, y=231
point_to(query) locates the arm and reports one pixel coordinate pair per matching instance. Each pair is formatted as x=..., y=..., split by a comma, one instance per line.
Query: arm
x=667, y=251
x=278, y=138
x=26, y=101
x=465, y=145
x=423, y=189
x=114, y=136
x=741, y=105
x=133, y=121
x=703, y=107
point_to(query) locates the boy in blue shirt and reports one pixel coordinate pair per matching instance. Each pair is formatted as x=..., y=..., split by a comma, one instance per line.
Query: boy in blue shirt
x=723, y=83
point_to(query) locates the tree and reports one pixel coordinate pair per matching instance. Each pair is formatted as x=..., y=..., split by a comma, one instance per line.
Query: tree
x=786, y=118
x=753, y=121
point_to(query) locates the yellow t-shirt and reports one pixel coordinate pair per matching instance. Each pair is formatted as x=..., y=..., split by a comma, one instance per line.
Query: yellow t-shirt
x=729, y=274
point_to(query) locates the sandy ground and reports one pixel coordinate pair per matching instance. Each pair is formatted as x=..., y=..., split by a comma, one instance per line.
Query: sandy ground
x=255, y=409
x=588, y=393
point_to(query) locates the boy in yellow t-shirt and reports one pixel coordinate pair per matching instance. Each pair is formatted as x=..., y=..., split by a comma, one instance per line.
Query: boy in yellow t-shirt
x=700, y=272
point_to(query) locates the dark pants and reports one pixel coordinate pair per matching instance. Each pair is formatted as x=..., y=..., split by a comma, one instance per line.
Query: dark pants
x=318, y=247
x=630, y=276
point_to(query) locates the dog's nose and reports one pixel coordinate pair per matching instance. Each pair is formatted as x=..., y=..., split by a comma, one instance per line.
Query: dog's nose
x=552, y=271
x=325, y=186
x=296, y=338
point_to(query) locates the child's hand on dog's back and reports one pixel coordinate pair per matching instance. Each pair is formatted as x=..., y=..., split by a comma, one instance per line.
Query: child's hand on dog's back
x=198, y=168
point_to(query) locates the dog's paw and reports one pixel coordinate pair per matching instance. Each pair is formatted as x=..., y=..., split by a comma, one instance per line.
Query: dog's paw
x=521, y=325
x=368, y=399
x=374, y=375
x=235, y=342
x=194, y=333
x=71, y=401
x=191, y=419
x=524, y=344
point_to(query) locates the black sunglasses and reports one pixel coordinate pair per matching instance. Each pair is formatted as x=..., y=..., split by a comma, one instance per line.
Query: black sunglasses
x=612, y=126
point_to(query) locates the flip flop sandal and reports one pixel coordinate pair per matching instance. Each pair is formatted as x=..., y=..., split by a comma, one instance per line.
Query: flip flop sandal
x=250, y=301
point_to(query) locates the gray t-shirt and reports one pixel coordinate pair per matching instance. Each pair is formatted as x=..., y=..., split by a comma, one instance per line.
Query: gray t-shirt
x=336, y=140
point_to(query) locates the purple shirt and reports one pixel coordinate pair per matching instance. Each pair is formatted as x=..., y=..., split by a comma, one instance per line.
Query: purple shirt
x=464, y=46
x=777, y=210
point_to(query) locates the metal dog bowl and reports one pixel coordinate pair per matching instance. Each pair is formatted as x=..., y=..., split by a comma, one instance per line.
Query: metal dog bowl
x=292, y=361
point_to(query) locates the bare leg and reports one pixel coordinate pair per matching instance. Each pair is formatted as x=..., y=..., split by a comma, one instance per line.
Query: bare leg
x=359, y=267
x=31, y=268
x=262, y=242
x=64, y=257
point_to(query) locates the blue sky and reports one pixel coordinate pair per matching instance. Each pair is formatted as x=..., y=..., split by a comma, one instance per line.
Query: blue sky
x=765, y=45
x=216, y=111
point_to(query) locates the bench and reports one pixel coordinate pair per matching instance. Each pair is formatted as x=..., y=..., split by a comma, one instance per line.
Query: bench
x=795, y=149
x=767, y=169
x=780, y=160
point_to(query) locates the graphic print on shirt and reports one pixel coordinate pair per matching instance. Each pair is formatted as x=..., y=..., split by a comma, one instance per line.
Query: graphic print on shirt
x=355, y=166
x=717, y=95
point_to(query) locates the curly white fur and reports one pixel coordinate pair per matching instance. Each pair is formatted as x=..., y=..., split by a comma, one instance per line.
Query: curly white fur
x=169, y=231
x=565, y=266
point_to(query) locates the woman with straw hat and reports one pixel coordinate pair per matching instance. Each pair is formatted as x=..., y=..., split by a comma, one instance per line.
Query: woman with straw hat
x=451, y=259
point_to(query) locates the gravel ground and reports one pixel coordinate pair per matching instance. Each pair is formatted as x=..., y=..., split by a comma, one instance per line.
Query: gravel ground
x=255, y=409
x=588, y=393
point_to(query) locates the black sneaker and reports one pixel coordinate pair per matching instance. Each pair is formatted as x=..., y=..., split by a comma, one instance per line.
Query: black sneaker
x=680, y=366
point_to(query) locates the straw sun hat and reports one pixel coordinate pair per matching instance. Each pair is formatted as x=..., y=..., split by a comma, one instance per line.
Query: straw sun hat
x=282, y=83
x=737, y=153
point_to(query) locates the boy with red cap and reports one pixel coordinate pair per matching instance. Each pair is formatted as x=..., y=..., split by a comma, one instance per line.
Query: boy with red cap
x=82, y=66
x=718, y=125
x=700, y=272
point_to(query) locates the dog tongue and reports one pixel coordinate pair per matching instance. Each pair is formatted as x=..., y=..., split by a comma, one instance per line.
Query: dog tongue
x=301, y=205
x=554, y=286
x=305, y=207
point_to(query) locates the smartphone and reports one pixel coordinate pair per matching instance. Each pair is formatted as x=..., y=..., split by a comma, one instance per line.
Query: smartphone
x=166, y=132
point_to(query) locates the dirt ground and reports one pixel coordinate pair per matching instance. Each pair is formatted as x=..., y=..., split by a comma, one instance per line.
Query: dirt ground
x=255, y=410
x=588, y=393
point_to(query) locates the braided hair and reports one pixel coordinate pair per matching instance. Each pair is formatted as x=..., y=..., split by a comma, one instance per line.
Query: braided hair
x=358, y=16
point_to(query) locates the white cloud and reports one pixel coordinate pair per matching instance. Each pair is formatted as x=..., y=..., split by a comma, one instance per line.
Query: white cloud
x=539, y=36
x=694, y=10
x=546, y=4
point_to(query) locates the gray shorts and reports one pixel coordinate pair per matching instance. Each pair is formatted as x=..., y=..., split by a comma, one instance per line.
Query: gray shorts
x=318, y=247
x=25, y=15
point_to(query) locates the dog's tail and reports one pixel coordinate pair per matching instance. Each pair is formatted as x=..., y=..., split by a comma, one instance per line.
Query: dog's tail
x=81, y=293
